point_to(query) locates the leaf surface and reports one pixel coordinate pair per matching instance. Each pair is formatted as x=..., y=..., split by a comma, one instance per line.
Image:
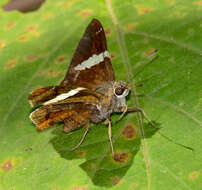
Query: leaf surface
x=35, y=50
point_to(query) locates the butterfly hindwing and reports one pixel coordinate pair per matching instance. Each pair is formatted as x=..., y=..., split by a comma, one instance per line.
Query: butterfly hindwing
x=91, y=64
x=75, y=114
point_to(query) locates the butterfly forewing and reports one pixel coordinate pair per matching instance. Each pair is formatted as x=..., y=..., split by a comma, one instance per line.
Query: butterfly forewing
x=91, y=64
x=61, y=95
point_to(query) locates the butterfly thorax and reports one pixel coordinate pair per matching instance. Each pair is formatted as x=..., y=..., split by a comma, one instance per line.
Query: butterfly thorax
x=112, y=100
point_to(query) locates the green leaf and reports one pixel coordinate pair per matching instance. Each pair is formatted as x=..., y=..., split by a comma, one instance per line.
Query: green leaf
x=35, y=50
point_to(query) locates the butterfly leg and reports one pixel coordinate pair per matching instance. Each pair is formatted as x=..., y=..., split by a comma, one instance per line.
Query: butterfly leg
x=138, y=109
x=87, y=126
x=110, y=134
x=124, y=110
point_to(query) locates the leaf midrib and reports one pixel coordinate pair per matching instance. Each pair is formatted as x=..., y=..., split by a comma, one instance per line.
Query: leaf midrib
x=126, y=62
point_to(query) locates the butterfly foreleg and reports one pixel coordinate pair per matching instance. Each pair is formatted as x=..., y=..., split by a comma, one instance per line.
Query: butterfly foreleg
x=124, y=110
x=138, y=109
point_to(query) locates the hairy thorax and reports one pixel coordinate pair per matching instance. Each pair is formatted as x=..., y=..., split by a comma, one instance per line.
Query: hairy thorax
x=108, y=103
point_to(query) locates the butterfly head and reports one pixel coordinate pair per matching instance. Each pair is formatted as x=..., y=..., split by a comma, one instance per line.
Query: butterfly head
x=121, y=89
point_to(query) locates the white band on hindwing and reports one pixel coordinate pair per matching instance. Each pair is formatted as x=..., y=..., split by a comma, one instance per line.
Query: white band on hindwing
x=64, y=96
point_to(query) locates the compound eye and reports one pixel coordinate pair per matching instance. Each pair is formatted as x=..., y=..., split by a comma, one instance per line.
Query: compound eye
x=119, y=91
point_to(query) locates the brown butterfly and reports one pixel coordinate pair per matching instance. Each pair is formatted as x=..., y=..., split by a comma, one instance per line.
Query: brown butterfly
x=88, y=91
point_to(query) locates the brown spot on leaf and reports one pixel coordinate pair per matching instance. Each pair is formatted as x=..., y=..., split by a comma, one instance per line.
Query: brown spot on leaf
x=146, y=10
x=53, y=73
x=31, y=58
x=130, y=26
x=116, y=180
x=7, y=165
x=79, y=188
x=134, y=185
x=47, y=16
x=24, y=37
x=121, y=157
x=129, y=131
x=86, y=13
x=11, y=63
x=193, y=175
x=142, y=9
x=108, y=31
x=50, y=73
x=68, y=4
x=10, y=25
x=91, y=166
x=61, y=58
x=31, y=28
x=2, y=44
x=82, y=154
